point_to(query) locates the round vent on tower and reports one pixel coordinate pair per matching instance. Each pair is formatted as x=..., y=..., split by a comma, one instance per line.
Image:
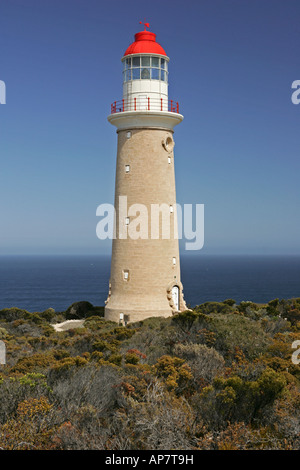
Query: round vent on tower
x=168, y=143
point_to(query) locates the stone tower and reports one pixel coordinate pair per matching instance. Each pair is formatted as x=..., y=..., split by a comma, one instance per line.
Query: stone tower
x=145, y=265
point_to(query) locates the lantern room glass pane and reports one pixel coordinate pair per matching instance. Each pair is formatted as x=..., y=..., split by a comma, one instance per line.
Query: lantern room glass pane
x=155, y=61
x=162, y=63
x=128, y=62
x=145, y=61
x=135, y=61
x=145, y=74
x=136, y=74
x=163, y=75
x=155, y=74
x=128, y=75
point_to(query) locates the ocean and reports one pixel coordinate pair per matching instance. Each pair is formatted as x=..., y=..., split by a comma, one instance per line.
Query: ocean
x=36, y=283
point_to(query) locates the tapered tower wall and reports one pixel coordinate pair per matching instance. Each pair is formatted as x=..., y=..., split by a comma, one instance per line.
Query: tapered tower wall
x=153, y=265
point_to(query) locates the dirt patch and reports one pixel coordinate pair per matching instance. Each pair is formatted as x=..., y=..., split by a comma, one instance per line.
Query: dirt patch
x=68, y=325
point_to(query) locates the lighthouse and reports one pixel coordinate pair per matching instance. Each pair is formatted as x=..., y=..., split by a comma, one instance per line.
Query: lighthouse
x=145, y=265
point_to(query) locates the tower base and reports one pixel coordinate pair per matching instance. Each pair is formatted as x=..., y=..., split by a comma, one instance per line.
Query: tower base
x=130, y=316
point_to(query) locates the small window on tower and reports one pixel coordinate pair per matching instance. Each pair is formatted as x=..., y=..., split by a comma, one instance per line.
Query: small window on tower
x=128, y=135
x=126, y=275
x=174, y=261
x=127, y=168
x=169, y=160
x=171, y=209
x=127, y=220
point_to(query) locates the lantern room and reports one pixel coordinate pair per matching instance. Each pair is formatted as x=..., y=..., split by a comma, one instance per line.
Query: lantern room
x=145, y=76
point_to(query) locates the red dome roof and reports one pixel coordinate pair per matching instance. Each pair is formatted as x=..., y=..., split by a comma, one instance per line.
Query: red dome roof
x=145, y=43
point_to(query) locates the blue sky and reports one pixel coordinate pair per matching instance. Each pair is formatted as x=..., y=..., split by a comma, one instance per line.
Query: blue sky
x=232, y=63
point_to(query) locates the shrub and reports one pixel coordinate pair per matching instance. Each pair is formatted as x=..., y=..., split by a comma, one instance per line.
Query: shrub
x=36, y=362
x=158, y=421
x=235, y=331
x=104, y=346
x=153, y=337
x=216, y=307
x=48, y=314
x=122, y=333
x=31, y=428
x=205, y=363
x=234, y=399
x=3, y=333
x=14, y=389
x=68, y=363
x=244, y=305
x=131, y=358
x=95, y=323
x=83, y=309
x=229, y=302
x=185, y=319
x=176, y=373
x=14, y=313
x=115, y=359
x=88, y=385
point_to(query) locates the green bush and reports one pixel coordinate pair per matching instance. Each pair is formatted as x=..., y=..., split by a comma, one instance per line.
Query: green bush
x=234, y=332
x=48, y=314
x=68, y=363
x=234, y=399
x=244, y=305
x=115, y=359
x=11, y=314
x=3, y=333
x=34, y=363
x=103, y=346
x=123, y=333
x=79, y=310
x=131, y=358
x=216, y=307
